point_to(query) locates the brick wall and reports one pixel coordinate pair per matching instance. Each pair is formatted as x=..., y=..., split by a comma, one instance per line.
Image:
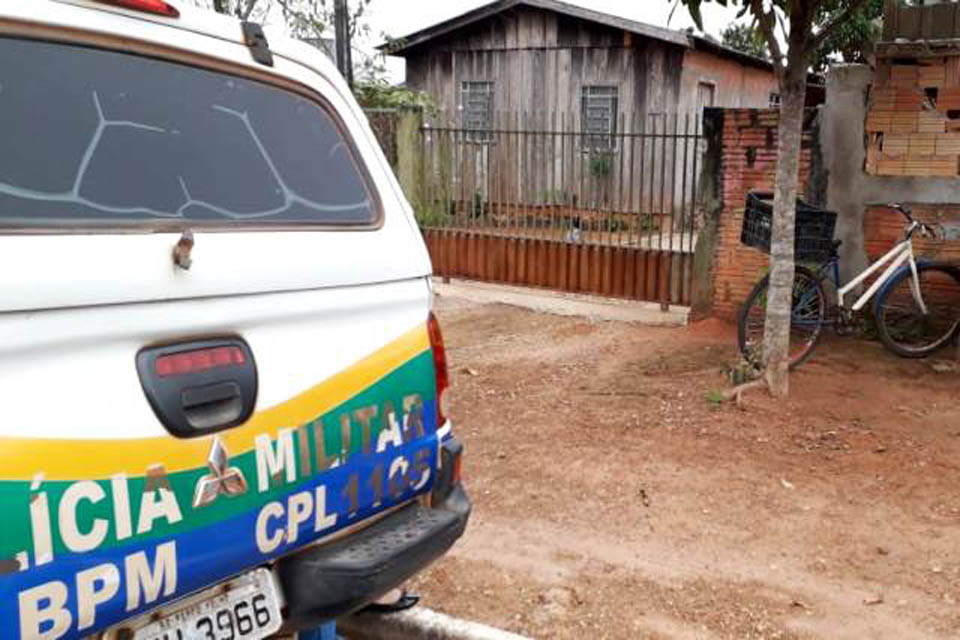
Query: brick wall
x=914, y=119
x=883, y=228
x=748, y=162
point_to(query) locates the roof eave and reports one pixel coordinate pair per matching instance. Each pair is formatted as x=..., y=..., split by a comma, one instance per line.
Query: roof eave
x=429, y=33
x=704, y=43
x=418, y=38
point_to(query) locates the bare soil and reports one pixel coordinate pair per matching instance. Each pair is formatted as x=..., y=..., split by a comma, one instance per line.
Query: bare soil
x=613, y=499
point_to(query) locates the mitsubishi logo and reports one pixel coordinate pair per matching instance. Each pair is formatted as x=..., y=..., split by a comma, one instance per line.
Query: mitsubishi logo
x=224, y=480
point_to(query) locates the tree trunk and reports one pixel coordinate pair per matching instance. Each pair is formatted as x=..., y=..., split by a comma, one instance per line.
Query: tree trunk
x=776, y=338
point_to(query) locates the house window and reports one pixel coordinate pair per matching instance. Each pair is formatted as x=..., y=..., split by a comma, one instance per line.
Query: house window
x=774, y=100
x=706, y=94
x=598, y=117
x=476, y=105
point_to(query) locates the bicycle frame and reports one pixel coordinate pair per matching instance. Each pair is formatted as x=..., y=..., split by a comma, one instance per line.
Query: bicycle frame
x=900, y=254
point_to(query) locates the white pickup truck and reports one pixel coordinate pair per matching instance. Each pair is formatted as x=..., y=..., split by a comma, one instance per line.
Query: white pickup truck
x=221, y=387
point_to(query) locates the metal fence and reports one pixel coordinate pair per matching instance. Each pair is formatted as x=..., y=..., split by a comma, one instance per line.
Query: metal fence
x=542, y=176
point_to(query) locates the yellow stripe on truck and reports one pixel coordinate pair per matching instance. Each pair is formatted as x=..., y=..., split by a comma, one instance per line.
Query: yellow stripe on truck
x=63, y=459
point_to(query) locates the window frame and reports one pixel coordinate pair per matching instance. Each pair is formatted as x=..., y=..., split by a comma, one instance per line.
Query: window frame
x=201, y=61
x=588, y=139
x=474, y=134
x=706, y=84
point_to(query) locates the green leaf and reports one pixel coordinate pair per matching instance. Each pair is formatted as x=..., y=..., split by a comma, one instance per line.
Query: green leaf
x=851, y=42
x=746, y=38
x=696, y=15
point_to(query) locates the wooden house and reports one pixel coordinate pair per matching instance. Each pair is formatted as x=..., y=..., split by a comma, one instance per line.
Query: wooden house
x=551, y=110
x=513, y=56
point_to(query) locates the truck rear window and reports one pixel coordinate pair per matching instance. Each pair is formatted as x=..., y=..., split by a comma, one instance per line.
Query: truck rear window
x=95, y=137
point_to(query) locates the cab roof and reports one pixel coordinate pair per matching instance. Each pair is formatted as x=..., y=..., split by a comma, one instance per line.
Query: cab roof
x=191, y=18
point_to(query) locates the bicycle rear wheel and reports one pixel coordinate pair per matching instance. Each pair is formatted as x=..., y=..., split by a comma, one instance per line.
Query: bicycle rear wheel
x=902, y=324
x=806, y=325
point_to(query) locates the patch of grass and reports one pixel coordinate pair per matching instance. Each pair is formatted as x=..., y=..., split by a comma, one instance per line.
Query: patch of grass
x=716, y=397
x=431, y=216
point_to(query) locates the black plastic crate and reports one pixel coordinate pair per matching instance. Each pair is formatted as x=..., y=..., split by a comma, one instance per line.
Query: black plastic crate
x=814, y=228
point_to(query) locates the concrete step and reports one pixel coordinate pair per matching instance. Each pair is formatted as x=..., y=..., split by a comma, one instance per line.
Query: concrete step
x=565, y=304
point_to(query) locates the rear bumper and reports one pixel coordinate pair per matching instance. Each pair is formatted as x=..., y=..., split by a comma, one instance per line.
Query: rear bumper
x=333, y=580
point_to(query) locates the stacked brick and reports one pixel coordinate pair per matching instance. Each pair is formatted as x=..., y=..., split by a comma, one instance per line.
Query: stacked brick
x=748, y=163
x=914, y=119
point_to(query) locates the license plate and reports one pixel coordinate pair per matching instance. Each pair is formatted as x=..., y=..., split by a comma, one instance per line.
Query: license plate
x=246, y=608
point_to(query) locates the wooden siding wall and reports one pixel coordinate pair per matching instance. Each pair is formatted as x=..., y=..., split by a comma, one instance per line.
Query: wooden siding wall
x=539, y=60
x=931, y=22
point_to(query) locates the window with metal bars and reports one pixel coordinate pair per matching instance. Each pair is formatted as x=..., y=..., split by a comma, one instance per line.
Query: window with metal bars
x=598, y=117
x=476, y=106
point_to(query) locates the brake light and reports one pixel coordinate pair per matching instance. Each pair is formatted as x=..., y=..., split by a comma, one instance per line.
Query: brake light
x=439, y=367
x=158, y=7
x=457, y=468
x=179, y=364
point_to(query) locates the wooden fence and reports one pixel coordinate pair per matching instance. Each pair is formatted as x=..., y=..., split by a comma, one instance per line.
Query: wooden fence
x=622, y=272
x=939, y=21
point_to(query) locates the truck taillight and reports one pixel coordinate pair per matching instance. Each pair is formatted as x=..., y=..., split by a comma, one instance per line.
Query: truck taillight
x=439, y=366
x=199, y=360
x=158, y=7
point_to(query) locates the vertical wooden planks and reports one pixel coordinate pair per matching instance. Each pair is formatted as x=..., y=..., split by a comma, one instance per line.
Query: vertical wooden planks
x=665, y=259
x=629, y=273
x=606, y=270
x=622, y=272
x=619, y=271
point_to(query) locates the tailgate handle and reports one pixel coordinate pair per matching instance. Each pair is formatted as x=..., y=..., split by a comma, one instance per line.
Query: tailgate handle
x=211, y=405
x=199, y=387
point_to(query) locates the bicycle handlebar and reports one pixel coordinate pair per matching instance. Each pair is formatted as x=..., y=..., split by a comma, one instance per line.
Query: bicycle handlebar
x=902, y=208
x=925, y=228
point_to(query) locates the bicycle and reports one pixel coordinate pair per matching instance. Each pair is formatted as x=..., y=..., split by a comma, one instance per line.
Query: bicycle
x=917, y=305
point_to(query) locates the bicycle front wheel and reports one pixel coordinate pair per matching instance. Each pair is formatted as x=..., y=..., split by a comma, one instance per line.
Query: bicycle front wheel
x=806, y=323
x=915, y=323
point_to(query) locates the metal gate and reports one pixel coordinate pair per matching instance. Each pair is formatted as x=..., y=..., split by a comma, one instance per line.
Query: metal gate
x=537, y=200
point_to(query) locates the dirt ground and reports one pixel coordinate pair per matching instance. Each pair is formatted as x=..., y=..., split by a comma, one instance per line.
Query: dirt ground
x=613, y=499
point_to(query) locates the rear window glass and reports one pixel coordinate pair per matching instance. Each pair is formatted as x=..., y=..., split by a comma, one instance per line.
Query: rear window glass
x=104, y=138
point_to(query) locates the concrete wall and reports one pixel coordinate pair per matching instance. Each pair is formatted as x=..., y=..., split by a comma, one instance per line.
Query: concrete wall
x=737, y=85
x=851, y=192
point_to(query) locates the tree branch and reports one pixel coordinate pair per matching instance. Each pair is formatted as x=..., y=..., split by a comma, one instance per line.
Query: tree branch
x=248, y=9
x=767, y=23
x=817, y=41
x=736, y=394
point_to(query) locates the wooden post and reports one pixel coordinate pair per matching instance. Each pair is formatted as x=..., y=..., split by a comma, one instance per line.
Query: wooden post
x=890, y=15
x=410, y=156
x=342, y=20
